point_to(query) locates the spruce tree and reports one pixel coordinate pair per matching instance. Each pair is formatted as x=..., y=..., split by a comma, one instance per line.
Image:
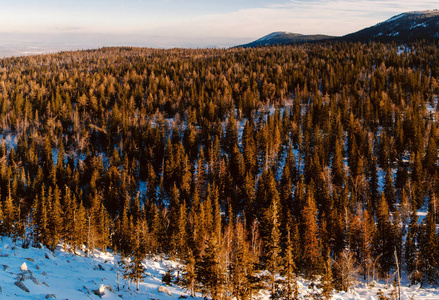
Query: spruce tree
x=430, y=158
x=338, y=172
x=411, y=253
x=389, y=189
x=9, y=215
x=429, y=249
x=417, y=182
x=327, y=278
x=250, y=154
x=286, y=193
x=385, y=238
x=367, y=235
x=210, y=272
x=242, y=267
x=190, y=276
x=181, y=234
x=248, y=197
x=311, y=254
x=272, y=239
x=55, y=219
x=138, y=255
x=289, y=270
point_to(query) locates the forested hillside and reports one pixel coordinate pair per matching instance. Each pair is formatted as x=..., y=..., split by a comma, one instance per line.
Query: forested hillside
x=307, y=160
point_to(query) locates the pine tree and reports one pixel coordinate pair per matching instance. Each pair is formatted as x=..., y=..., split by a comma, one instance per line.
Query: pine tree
x=181, y=234
x=311, y=255
x=237, y=171
x=210, y=272
x=125, y=268
x=430, y=158
x=367, y=235
x=373, y=184
x=151, y=191
x=231, y=134
x=174, y=215
x=216, y=213
x=289, y=269
x=47, y=158
x=195, y=222
x=69, y=218
x=389, y=189
x=338, y=172
x=138, y=253
x=248, y=197
x=417, y=182
x=286, y=192
x=411, y=253
x=200, y=176
x=249, y=148
x=242, y=266
x=429, y=249
x=190, y=275
x=55, y=219
x=272, y=242
x=157, y=229
x=385, y=238
x=9, y=215
x=43, y=218
x=299, y=200
x=327, y=278
x=80, y=231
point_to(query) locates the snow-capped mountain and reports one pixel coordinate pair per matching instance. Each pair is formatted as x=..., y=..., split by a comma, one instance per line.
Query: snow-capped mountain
x=284, y=38
x=404, y=27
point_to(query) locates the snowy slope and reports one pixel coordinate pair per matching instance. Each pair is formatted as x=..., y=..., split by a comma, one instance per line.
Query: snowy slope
x=67, y=276
x=284, y=38
x=404, y=27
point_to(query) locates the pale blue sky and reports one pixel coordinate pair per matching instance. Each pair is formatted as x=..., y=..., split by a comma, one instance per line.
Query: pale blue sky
x=186, y=23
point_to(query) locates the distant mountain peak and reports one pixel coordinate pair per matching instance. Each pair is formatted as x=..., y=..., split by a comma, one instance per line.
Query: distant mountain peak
x=404, y=27
x=284, y=38
x=401, y=28
x=425, y=13
x=394, y=18
x=276, y=34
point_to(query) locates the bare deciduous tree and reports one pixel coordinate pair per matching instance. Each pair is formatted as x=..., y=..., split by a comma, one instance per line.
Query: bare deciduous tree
x=345, y=270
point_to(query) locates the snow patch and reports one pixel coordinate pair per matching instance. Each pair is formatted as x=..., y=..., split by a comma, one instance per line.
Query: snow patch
x=418, y=25
x=271, y=36
x=10, y=140
x=69, y=276
x=394, y=18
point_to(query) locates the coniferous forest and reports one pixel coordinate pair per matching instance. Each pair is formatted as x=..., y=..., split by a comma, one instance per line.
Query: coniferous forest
x=246, y=165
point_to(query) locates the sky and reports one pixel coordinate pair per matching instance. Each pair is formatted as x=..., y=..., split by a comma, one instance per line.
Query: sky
x=30, y=25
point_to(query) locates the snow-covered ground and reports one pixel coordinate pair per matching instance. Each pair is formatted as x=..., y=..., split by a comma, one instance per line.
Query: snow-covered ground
x=62, y=275
x=67, y=276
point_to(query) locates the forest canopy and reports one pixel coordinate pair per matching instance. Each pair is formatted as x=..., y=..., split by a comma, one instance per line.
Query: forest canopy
x=289, y=159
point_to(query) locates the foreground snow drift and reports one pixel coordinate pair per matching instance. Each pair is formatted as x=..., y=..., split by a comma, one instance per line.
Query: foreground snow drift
x=36, y=273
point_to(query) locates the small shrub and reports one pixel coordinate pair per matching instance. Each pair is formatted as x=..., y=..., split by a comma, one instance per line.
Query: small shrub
x=167, y=278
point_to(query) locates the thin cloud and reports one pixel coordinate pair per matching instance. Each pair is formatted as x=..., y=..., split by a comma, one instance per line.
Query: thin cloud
x=333, y=17
x=200, y=23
